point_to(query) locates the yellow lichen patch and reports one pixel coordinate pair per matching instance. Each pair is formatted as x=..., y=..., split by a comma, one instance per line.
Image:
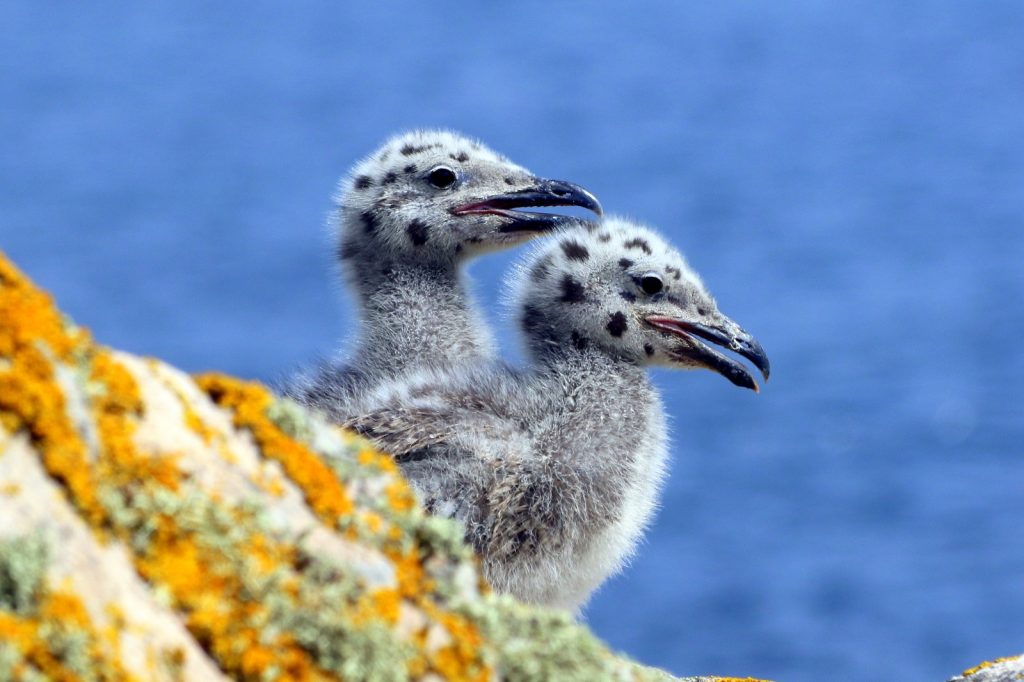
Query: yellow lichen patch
x=28, y=316
x=369, y=457
x=381, y=604
x=412, y=581
x=248, y=402
x=59, y=639
x=31, y=333
x=199, y=579
x=400, y=496
x=117, y=409
x=987, y=664
x=212, y=594
x=460, y=658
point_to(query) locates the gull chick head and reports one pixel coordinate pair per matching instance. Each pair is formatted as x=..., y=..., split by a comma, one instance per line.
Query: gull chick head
x=439, y=197
x=619, y=288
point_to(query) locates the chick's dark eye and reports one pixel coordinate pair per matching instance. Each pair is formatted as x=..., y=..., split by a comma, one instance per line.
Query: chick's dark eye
x=442, y=178
x=651, y=284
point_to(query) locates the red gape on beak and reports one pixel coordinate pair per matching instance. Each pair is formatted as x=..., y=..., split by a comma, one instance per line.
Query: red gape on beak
x=729, y=335
x=542, y=193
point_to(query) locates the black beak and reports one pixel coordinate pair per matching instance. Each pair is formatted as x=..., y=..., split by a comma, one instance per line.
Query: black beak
x=728, y=335
x=542, y=192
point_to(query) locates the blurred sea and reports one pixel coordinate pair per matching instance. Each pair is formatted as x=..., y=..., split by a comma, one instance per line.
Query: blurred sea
x=848, y=178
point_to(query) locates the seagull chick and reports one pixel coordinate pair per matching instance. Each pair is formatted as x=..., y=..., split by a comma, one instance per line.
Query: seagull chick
x=408, y=217
x=555, y=470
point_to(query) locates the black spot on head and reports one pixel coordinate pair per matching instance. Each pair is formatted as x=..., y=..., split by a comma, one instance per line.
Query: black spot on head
x=384, y=156
x=702, y=311
x=628, y=295
x=363, y=181
x=579, y=341
x=649, y=349
x=389, y=178
x=675, y=300
x=573, y=250
x=604, y=237
x=387, y=268
x=410, y=149
x=572, y=291
x=370, y=224
x=675, y=272
x=461, y=156
x=411, y=168
x=418, y=232
x=625, y=263
x=458, y=248
x=638, y=243
x=617, y=324
x=509, y=181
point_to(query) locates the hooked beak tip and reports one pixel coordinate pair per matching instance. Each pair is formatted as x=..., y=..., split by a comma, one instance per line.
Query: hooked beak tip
x=734, y=339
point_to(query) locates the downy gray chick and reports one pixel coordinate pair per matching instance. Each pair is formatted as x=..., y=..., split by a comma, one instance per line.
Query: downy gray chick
x=408, y=217
x=555, y=470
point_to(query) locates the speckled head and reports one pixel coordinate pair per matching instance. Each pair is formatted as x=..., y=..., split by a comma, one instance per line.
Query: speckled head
x=620, y=288
x=438, y=197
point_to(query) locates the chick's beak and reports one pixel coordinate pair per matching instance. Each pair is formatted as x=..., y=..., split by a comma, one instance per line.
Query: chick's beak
x=540, y=192
x=725, y=333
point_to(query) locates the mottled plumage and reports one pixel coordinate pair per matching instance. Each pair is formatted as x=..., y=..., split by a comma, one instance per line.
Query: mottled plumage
x=555, y=469
x=408, y=217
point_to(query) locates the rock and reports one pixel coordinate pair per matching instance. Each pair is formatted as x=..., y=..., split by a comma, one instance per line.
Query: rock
x=157, y=526
x=1000, y=670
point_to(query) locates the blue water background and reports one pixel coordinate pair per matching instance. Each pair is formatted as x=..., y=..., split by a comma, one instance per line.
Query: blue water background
x=847, y=176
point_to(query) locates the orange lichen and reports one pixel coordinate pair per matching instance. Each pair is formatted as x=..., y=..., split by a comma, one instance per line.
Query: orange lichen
x=371, y=458
x=28, y=316
x=400, y=496
x=218, y=614
x=31, y=333
x=248, y=402
x=460, y=658
x=60, y=615
x=987, y=664
x=381, y=604
x=116, y=412
x=32, y=337
x=236, y=587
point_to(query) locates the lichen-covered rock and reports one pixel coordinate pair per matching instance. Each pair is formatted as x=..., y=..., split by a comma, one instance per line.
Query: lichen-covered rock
x=1000, y=670
x=155, y=526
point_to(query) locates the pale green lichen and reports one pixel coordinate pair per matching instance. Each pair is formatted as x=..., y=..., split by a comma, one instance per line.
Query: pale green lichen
x=312, y=604
x=14, y=666
x=259, y=602
x=537, y=644
x=41, y=626
x=368, y=652
x=23, y=563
